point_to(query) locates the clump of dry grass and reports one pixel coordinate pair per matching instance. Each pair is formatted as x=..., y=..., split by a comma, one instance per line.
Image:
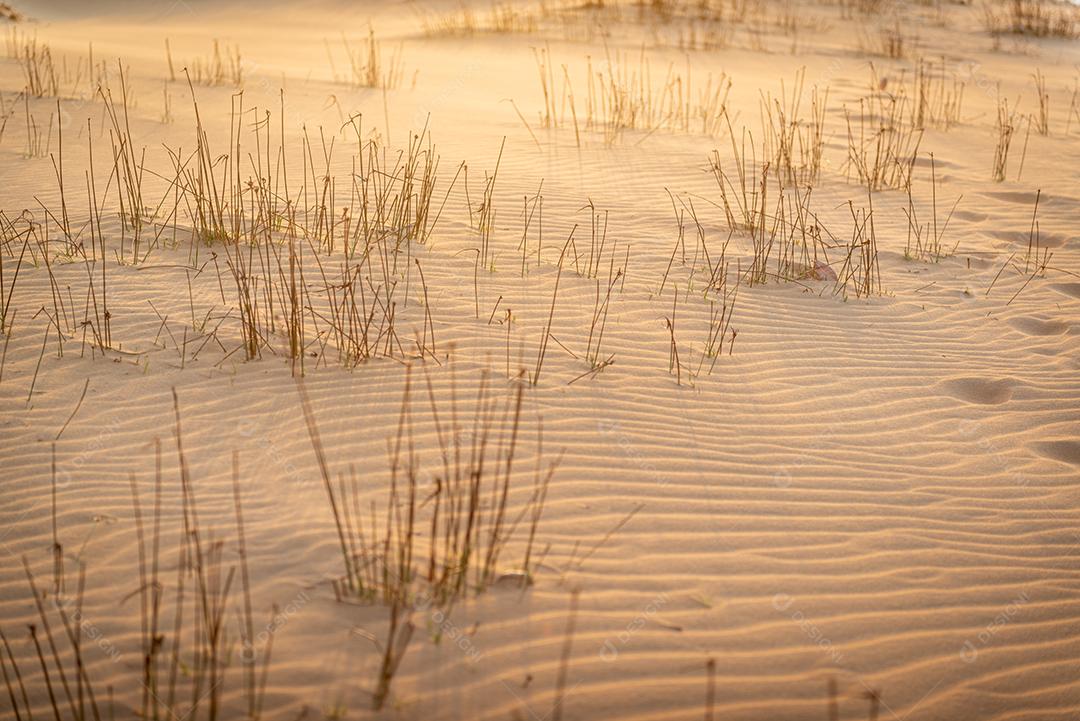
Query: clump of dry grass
x=741, y=191
x=1006, y=126
x=51, y=74
x=860, y=271
x=788, y=240
x=36, y=58
x=466, y=21
x=128, y=167
x=591, y=265
x=621, y=96
x=367, y=67
x=883, y=143
x=687, y=24
x=854, y=8
x=925, y=239
x=794, y=143
x=714, y=269
x=466, y=508
x=1035, y=18
x=38, y=136
x=1042, y=119
x=758, y=200
x=937, y=96
x=889, y=40
x=223, y=66
x=273, y=231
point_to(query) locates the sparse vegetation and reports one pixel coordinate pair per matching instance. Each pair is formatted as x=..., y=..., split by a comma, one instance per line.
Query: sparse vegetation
x=320, y=291
x=1006, y=120
x=1035, y=18
x=621, y=97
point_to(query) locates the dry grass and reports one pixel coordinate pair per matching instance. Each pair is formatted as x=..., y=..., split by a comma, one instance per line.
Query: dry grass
x=270, y=229
x=925, y=237
x=465, y=21
x=792, y=142
x=311, y=282
x=367, y=66
x=296, y=280
x=860, y=271
x=1074, y=106
x=39, y=70
x=197, y=650
x=1035, y=18
x=177, y=647
x=622, y=97
x=890, y=39
x=1042, y=119
x=1006, y=126
x=465, y=508
x=768, y=196
x=937, y=95
x=710, y=276
x=883, y=143
x=789, y=241
x=223, y=66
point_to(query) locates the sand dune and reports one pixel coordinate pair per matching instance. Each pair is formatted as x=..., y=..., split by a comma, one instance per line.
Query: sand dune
x=807, y=457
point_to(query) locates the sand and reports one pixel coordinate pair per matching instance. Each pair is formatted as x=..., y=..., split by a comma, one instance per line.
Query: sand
x=874, y=492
